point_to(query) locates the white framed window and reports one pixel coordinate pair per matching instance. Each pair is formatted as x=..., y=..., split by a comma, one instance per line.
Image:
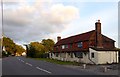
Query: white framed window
x=78, y=54
x=63, y=46
x=80, y=44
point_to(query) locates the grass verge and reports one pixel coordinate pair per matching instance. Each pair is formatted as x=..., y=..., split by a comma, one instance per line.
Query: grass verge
x=58, y=61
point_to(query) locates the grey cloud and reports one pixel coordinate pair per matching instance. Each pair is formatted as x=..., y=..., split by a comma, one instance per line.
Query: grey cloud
x=28, y=23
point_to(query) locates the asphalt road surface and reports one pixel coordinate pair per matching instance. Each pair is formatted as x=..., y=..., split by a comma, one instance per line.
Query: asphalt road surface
x=27, y=66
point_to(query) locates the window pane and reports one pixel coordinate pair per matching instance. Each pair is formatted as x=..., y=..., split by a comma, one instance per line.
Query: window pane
x=66, y=46
x=70, y=45
x=78, y=54
x=80, y=44
x=63, y=46
x=92, y=54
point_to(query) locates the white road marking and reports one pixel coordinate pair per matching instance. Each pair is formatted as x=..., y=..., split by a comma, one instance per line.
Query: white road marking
x=43, y=70
x=22, y=61
x=18, y=58
x=36, y=67
x=29, y=64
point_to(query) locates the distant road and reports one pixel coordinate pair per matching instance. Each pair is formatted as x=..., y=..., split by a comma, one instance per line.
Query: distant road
x=27, y=66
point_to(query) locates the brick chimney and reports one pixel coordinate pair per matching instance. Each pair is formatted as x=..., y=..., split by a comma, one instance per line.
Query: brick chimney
x=58, y=38
x=98, y=34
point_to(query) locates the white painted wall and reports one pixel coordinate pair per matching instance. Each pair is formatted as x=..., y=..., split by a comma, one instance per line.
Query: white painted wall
x=67, y=57
x=95, y=59
x=107, y=57
x=103, y=57
x=100, y=57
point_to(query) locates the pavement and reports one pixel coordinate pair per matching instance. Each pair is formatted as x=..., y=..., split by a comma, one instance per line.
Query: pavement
x=27, y=66
x=98, y=69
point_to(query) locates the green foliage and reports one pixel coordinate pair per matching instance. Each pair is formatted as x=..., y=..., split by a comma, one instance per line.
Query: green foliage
x=11, y=47
x=34, y=49
x=19, y=49
x=49, y=44
x=4, y=54
x=37, y=49
x=59, y=61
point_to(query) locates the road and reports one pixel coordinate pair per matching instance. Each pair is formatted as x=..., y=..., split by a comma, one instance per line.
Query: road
x=27, y=66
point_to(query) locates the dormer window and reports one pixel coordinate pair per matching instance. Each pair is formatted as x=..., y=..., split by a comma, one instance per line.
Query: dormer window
x=80, y=44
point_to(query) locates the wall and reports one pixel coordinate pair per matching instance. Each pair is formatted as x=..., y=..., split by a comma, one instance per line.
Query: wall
x=107, y=57
x=103, y=57
x=100, y=57
x=95, y=59
x=67, y=57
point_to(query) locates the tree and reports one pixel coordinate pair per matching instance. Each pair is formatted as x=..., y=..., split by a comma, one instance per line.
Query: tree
x=36, y=49
x=19, y=49
x=49, y=44
x=9, y=45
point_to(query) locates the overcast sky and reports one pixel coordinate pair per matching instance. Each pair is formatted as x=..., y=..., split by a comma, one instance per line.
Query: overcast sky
x=34, y=20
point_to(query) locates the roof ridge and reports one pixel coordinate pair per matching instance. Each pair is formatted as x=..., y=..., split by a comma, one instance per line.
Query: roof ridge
x=78, y=34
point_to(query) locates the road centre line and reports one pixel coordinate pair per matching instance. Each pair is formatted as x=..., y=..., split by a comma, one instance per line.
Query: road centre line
x=36, y=67
x=22, y=61
x=17, y=58
x=43, y=70
x=29, y=64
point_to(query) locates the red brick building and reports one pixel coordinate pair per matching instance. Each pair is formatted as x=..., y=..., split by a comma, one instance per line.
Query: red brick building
x=79, y=46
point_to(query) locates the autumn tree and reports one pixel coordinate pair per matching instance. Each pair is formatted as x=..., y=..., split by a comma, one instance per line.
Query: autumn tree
x=49, y=44
x=9, y=45
x=19, y=49
x=36, y=49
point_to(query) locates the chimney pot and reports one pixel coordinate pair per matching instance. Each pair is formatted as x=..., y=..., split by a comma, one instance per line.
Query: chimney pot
x=99, y=21
x=58, y=38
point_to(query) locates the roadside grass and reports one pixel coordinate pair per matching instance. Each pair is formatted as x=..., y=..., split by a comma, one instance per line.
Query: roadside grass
x=58, y=61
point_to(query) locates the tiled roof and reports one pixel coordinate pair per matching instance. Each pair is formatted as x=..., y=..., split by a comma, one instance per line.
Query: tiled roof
x=76, y=38
x=107, y=38
x=79, y=37
x=105, y=49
